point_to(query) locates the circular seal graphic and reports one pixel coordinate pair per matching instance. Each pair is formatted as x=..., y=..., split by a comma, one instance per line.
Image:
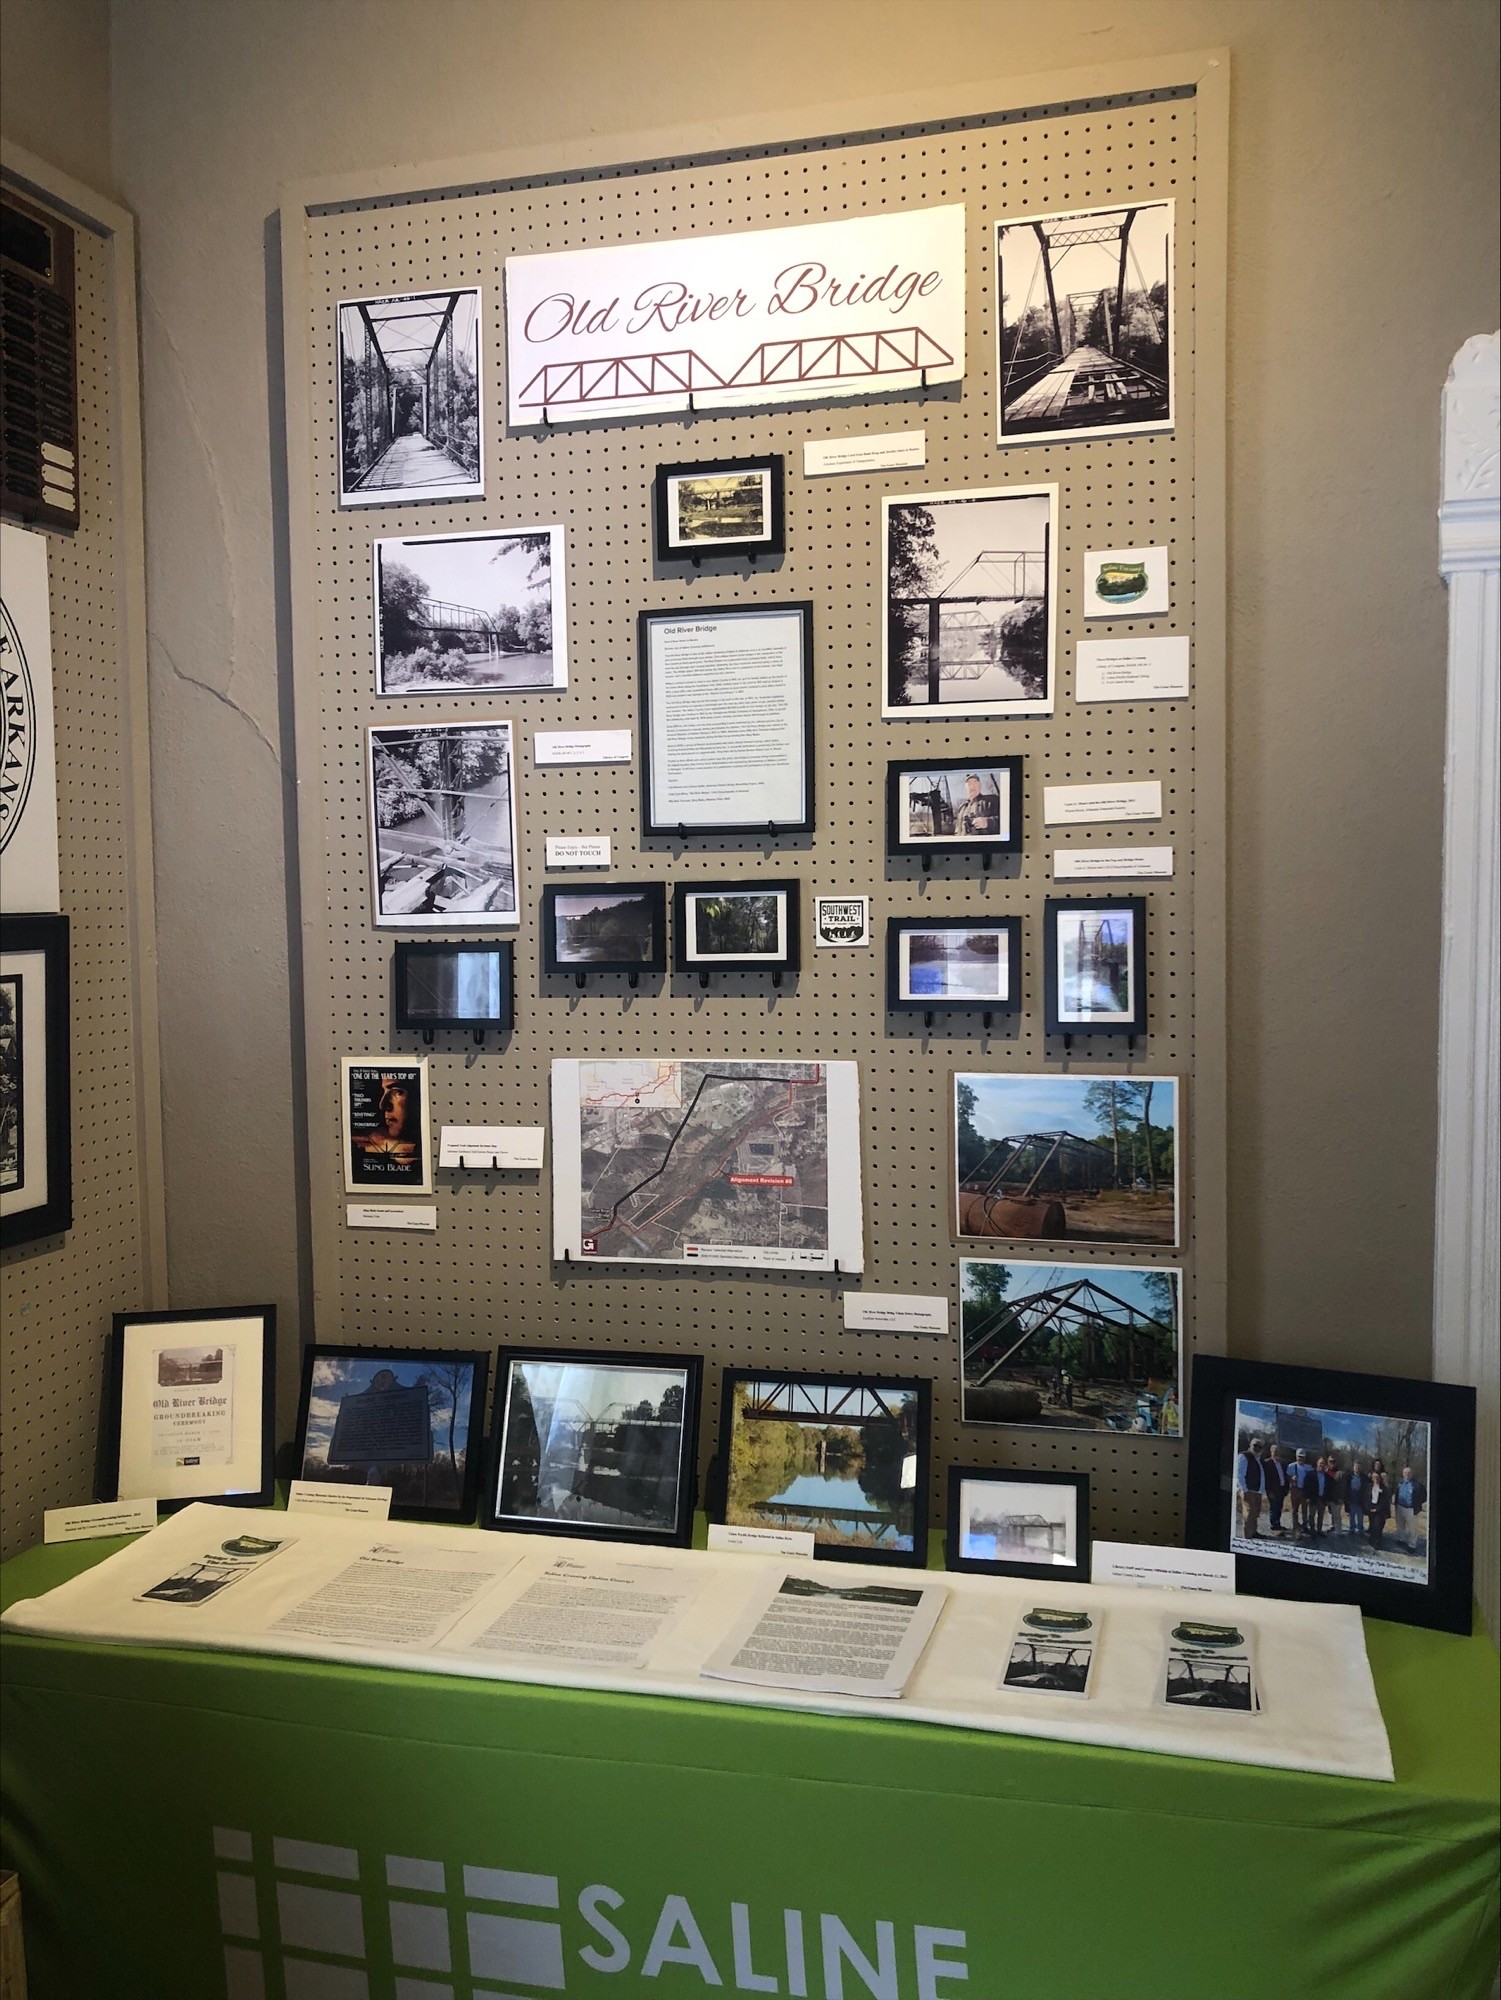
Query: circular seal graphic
x=17, y=727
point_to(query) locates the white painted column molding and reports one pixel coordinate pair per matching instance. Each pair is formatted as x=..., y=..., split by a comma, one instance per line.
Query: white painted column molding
x=1466, y=1294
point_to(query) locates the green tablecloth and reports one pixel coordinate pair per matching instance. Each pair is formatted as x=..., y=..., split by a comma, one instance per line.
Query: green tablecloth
x=476, y=1839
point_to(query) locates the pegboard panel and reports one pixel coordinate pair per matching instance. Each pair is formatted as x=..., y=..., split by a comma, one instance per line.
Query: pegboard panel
x=57, y=1295
x=487, y=1273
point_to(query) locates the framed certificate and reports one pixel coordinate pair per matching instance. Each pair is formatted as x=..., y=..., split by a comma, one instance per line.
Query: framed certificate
x=189, y=1407
x=727, y=719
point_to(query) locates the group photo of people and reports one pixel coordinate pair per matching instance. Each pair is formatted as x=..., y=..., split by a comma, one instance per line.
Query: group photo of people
x=1331, y=1487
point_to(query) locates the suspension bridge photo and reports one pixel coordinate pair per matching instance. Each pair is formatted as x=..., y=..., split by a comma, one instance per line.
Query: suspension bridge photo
x=409, y=398
x=1085, y=331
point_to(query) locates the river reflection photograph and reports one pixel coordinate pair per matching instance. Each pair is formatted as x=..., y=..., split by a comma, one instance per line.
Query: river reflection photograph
x=844, y=1457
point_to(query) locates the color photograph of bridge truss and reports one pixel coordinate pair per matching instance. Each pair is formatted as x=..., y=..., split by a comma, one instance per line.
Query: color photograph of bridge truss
x=410, y=418
x=843, y=1456
x=1083, y=1347
x=470, y=614
x=1077, y=1158
x=1085, y=323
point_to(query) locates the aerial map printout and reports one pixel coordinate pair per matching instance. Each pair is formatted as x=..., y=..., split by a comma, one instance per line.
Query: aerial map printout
x=668, y=1162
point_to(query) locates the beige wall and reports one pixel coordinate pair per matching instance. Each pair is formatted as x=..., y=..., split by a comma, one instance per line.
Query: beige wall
x=1362, y=251
x=54, y=84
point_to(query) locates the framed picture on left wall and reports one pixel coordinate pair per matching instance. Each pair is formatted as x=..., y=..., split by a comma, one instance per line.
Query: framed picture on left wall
x=189, y=1407
x=36, y=1148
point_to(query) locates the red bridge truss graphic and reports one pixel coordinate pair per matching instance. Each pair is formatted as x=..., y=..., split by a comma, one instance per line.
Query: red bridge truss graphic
x=835, y=357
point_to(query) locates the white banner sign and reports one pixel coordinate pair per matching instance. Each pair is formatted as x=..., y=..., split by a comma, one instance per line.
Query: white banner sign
x=821, y=310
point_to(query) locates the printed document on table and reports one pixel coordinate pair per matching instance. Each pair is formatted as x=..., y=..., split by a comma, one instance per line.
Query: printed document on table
x=830, y=1638
x=394, y=1595
x=599, y=1614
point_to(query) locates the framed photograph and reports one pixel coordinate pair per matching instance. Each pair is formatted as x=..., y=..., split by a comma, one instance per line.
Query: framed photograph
x=189, y=1407
x=453, y=986
x=1330, y=1485
x=601, y=1445
x=384, y=1123
x=36, y=1133
x=1094, y=965
x=1084, y=323
x=954, y=805
x=618, y=927
x=1031, y=1524
x=410, y=1419
x=1125, y=583
x=470, y=614
x=1068, y=1159
x=736, y=925
x=443, y=824
x=1072, y=1347
x=411, y=420
x=721, y=507
x=971, y=602
x=843, y=1455
x=971, y=962
x=727, y=719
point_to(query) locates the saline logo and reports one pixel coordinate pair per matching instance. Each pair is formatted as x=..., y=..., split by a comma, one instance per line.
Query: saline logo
x=475, y=1933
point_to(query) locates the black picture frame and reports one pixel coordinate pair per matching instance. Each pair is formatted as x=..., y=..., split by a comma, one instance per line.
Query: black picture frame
x=1039, y=1572
x=803, y=1388
x=899, y=839
x=653, y=898
x=461, y=1510
x=679, y=1533
x=662, y=823
x=114, y=1416
x=1442, y=1602
x=777, y=964
x=409, y=1015
x=1133, y=1020
x=673, y=547
x=931, y=1003
x=46, y=1069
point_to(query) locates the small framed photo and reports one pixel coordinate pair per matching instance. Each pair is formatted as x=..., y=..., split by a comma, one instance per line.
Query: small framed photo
x=385, y=1125
x=720, y=507
x=953, y=962
x=843, y=1455
x=741, y=926
x=1094, y=965
x=1332, y=1485
x=411, y=423
x=36, y=1143
x=1032, y=1524
x=618, y=927
x=443, y=825
x=1072, y=1347
x=600, y=1445
x=410, y=1419
x=727, y=719
x=954, y=805
x=470, y=614
x=189, y=1407
x=453, y=986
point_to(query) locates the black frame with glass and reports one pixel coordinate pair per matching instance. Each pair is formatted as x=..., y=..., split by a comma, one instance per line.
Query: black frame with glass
x=935, y=1003
x=475, y=1359
x=899, y=841
x=1444, y=1601
x=914, y=1558
x=689, y=1366
x=48, y=1069
x=790, y=959
x=773, y=543
x=410, y=1013
x=961, y=1476
x=112, y=1419
x=654, y=826
x=653, y=896
x=1057, y=906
